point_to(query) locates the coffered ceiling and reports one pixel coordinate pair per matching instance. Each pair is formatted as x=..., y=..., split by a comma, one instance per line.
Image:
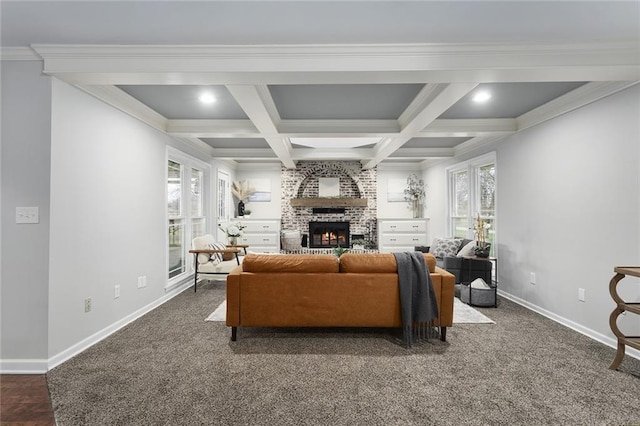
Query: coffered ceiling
x=291, y=82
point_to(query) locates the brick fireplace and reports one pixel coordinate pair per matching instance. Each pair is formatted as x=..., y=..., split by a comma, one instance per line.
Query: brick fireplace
x=328, y=234
x=356, y=186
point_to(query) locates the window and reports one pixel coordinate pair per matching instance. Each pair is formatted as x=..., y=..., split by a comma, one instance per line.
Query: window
x=472, y=191
x=186, y=209
x=224, y=201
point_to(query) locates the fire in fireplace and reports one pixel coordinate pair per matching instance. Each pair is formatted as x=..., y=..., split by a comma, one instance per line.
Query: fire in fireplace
x=328, y=234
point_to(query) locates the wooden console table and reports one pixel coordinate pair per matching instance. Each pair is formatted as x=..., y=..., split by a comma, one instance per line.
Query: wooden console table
x=622, y=306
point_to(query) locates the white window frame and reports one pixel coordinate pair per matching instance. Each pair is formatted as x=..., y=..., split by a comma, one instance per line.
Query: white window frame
x=188, y=163
x=472, y=167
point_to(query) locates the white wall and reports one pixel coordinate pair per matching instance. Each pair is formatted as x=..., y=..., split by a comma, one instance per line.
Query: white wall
x=568, y=210
x=394, y=210
x=108, y=204
x=263, y=173
x=25, y=156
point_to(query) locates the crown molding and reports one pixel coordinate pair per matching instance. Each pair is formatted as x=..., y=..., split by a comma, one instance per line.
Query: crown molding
x=244, y=154
x=127, y=104
x=476, y=143
x=18, y=54
x=579, y=97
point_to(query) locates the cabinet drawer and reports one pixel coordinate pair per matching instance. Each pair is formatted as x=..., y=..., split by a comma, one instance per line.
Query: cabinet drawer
x=403, y=240
x=403, y=226
x=261, y=239
x=262, y=227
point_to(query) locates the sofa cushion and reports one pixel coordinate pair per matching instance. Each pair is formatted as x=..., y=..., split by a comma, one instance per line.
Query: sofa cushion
x=306, y=263
x=445, y=247
x=377, y=263
x=217, y=257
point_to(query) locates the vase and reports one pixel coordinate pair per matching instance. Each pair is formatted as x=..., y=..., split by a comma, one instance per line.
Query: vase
x=416, y=209
x=232, y=241
x=240, y=208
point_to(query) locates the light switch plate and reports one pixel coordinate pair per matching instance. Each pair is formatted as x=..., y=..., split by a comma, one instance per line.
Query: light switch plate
x=27, y=215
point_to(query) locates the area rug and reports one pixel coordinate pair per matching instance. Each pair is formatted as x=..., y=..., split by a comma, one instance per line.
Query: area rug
x=462, y=314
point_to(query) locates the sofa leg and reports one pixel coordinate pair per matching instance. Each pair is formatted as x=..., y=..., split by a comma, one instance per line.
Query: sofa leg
x=443, y=334
x=234, y=333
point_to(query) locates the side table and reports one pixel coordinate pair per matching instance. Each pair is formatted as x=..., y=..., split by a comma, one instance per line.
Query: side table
x=479, y=296
x=622, y=306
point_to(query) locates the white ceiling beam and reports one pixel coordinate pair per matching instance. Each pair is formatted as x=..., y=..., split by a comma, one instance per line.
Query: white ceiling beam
x=338, y=128
x=413, y=153
x=332, y=154
x=253, y=153
x=256, y=103
x=468, y=127
x=213, y=128
x=429, y=104
x=373, y=63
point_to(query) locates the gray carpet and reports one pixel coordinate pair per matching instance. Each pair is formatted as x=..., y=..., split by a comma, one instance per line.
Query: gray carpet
x=172, y=368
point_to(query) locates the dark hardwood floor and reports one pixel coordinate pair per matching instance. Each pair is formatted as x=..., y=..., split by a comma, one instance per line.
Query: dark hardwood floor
x=24, y=400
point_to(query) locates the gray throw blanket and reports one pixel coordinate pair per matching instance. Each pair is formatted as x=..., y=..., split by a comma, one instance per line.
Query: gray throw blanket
x=418, y=303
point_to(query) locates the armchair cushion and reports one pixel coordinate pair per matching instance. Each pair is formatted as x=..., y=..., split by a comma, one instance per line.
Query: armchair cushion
x=467, y=250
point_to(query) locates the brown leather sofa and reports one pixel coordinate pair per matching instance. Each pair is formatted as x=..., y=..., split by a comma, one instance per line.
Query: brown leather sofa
x=306, y=290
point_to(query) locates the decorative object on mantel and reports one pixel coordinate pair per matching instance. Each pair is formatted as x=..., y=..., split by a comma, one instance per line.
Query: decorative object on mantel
x=247, y=213
x=233, y=231
x=242, y=190
x=480, y=228
x=414, y=194
x=328, y=202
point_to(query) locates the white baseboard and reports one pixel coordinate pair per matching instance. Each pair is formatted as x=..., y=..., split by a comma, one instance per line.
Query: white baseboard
x=23, y=366
x=106, y=332
x=41, y=366
x=599, y=337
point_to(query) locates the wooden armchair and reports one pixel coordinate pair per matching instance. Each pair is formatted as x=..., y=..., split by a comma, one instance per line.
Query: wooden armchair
x=214, y=259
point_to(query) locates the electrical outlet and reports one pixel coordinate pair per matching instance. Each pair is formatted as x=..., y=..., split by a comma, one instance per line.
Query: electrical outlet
x=87, y=305
x=116, y=292
x=140, y=282
x=532, y=278
x=144, y=281
x=582, y=294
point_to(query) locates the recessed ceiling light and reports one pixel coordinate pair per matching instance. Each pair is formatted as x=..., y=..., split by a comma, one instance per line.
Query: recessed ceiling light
x=481, y=96
x=207, y=98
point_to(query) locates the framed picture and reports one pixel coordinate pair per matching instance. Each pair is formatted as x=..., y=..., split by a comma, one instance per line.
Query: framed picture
x=263, y=191
x=395, y=190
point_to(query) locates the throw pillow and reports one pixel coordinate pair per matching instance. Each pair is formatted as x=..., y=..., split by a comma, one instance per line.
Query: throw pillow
x=217, y=257
x=445, y=247
x=468, y=250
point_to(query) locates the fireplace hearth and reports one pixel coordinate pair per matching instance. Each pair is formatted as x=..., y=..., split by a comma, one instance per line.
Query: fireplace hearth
x=328, y=234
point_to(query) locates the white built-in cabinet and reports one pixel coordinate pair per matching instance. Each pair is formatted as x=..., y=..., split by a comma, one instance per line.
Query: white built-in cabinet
x=262, y=235
x=396, y=235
